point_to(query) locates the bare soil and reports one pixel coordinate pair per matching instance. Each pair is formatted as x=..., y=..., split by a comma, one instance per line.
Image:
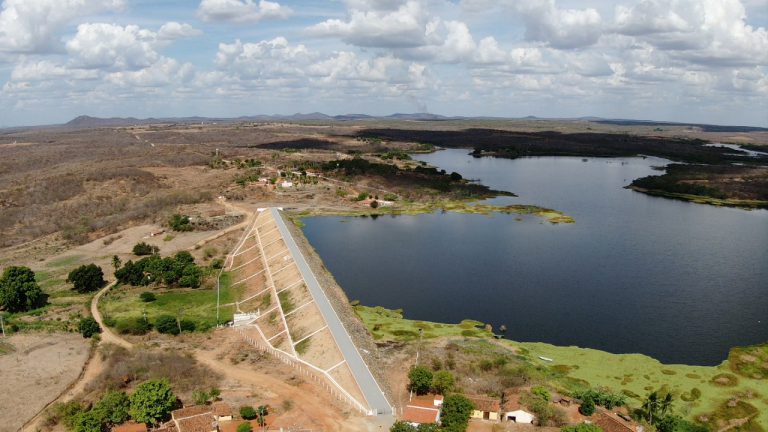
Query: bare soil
x=41, y=367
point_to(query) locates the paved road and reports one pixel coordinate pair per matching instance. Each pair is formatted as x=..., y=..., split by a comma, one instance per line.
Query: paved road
x=371, y=390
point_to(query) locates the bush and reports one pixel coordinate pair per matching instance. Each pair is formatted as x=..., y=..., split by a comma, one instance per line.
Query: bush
x=19, y=291
x=147, y=297
x=187, y=326
x=134, y=326
x=587, y=407
x=456, y=412
x=217, y=264
x=374, y=204
x=247, y=412
x=442, y=382
x=542, y=393
x=88, y=327
x=191, y=277
x=143, y=248
x=583, y=427
x=167, y=324
x=113, y=408
x=180, y=223
x=152, y=401
x=419, y=380
x=86, y=278
x=244, y=427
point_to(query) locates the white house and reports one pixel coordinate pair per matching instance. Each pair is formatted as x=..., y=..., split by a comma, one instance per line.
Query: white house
x=519, y=416
x=286, y=184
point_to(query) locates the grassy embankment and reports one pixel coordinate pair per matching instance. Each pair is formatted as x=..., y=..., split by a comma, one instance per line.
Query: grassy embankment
x=698, y=390
x=463, y=207
x=197, y=305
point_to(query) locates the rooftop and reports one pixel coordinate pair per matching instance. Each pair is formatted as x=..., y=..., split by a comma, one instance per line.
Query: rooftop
x=421, y=415
x=483, y=403
x=130, y=427
x=198, y=423
x=190, y=411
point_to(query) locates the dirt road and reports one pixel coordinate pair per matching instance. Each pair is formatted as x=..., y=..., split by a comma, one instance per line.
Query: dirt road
x=107, y=336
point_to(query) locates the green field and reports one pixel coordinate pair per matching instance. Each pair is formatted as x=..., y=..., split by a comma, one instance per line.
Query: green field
x=697, y=390
x=197, y=305
x=389, y=325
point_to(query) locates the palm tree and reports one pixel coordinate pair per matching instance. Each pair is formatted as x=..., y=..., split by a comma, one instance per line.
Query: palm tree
x=651, y=405
x=261, y=413
x=666, y=403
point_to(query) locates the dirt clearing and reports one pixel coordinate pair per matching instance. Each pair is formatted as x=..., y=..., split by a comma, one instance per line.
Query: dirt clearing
x=39, y=369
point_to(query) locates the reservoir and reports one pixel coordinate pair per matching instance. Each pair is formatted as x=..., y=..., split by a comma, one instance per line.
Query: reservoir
x=677, y=281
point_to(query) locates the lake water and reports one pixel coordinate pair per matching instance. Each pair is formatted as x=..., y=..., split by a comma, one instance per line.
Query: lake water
x=678, y=281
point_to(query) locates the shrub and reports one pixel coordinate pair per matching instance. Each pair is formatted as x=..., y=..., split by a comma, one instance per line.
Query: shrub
x=244, y=427
x=113, y=408
x=167, y=324
x=152, y=401
x=147, y=297
x=374, y=204
x=187, y=326
x=419, y=379
x=587, y=407
x=456, y=412
x=247, y=412
x=88, y=327
x=217, y=264
x=135, y=326
x=583, y=427
x=442, y=382
x=143, y=248
x=542, y=393
x=180, y=223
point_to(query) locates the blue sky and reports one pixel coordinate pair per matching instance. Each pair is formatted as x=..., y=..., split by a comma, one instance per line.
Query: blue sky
x=678, y=60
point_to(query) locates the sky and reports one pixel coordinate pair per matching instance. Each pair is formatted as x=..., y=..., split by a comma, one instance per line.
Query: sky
x=703, y=61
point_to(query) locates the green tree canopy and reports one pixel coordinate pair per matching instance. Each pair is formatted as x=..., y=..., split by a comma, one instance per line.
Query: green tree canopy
x=19, y=291
x=419, y=380
x=88, y=421
x=583, y=427
x=244, y=427
x=113, y=408
x=152, y=401
x=86, y=278
x=167, y=324
x=88, y=327
x=401, y=426
x=247, y=412
x=456, y=412
x=443, y=382
x=587, y=407
x=180, y=223
x=144, y=248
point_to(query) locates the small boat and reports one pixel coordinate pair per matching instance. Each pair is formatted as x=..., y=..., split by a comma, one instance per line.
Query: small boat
x=546, y=359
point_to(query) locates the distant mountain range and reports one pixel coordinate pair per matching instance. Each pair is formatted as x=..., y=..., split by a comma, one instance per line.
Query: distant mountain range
x=93, y=122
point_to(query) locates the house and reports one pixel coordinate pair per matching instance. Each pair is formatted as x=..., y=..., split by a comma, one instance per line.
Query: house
x=130, y=427
x=196, y=418
x=609, y=422
x=519, y=416
x=286, y=184
x=485, y=408
x=222, y=411
x=423, y=410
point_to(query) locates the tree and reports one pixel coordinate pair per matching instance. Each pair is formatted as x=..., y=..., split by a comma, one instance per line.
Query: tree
x=456, y=412
x=152, y=401
x=583, y=427
x=86, y=278
x=88, y=327
x=650, y=406
x=666, y=403
x=542, y=393
x=147, y=297
x=247, y=412
x=443, y=382
x=167, y=324
x=428, y=427
x=19, y=291
x=420, y=379
x=180, y=223
x=201, y=397
x=87, y=421
x=116, y=262
x=401, y=426
x=244, y=427
x=143, y=248
x=587, y=407
x=374, y=204
x=261, y=415
x=113, y=408
x=191, y=277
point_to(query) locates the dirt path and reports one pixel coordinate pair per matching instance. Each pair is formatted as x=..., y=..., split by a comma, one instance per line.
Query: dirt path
x=107, y=336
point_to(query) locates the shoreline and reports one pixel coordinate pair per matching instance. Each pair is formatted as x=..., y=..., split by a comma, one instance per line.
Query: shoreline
x=701, y=199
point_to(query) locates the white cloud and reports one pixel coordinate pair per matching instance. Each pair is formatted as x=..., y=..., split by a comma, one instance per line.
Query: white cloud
x=173, y=30
x=407, y=25
x=110, y=46
x=241, y=11
x=560, y=28
x=31, y=26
